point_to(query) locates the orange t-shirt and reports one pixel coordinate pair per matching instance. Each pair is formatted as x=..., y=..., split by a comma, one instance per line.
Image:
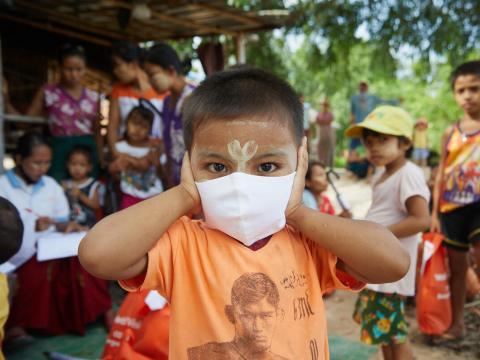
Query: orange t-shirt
x=230, y=302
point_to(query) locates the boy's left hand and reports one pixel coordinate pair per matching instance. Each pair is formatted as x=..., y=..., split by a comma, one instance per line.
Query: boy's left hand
x=296, y=197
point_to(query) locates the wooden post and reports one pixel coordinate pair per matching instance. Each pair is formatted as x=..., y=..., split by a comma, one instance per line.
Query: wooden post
x=2, y=112
x=240, y=48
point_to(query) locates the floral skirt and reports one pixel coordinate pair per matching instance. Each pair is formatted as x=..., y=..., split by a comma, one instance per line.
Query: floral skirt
x=382, y=318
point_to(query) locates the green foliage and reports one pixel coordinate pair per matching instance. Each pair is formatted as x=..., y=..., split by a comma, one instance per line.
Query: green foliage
x=343, y=42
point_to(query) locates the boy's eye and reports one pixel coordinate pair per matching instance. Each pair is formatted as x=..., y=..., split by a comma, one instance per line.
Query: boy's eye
x=217, y=167
x=267, y=167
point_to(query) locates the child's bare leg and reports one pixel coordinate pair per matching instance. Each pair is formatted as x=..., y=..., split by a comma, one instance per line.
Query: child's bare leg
x=476, y=257
x=458, y=261
x=402, y=351
x=387, y=351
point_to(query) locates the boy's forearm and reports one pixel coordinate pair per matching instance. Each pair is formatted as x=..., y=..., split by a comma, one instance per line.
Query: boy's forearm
x=369, y=249
x=121, y=241
x=409, y=226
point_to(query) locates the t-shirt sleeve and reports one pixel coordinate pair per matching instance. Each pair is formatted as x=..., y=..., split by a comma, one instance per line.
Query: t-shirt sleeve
x=413, y=183
x=329, y=276
x=116, y=91
x=161, y=259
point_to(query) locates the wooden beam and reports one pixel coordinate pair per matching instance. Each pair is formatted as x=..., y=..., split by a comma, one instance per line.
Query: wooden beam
x=69, y=20
x=181, y=22
x=25, y=119
x=232, y=15
x=2, y=114
x=240, y=50
x=50, y=28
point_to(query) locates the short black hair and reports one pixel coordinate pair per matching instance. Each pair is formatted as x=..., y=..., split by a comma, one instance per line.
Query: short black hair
x=467, y=68
x=232, y=94
x=164, y=55
x=11, y=230
x=28, y=141
x=311, y=164
x=128, y=51
x=81, y=149
x=143, y=113
x=69, y=50
x=401, y=139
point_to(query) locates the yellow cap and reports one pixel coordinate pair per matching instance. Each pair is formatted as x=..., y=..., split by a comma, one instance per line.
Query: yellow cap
x=385, y=119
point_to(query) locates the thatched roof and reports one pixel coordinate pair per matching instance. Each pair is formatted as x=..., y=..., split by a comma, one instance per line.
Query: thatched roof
x=105, y=21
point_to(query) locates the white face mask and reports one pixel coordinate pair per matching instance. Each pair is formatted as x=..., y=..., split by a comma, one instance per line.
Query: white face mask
x=246, y=207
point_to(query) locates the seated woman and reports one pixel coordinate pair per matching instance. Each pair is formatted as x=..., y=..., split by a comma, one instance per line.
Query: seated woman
x=55, y=296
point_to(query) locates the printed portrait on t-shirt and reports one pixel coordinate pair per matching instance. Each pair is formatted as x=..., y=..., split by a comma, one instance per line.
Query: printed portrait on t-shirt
x=254, y=311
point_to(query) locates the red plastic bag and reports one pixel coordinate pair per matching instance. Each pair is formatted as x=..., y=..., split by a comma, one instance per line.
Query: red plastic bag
x=138, y=332
x=434, y=312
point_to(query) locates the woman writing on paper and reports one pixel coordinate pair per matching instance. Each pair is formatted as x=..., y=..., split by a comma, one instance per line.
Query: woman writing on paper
x=55, y=296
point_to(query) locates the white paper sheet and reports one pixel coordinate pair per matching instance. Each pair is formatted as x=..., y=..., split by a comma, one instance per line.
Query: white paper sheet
x=57, y=245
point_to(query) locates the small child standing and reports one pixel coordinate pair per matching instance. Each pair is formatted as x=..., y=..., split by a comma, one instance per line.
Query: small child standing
x=81, y=189
x=400, y=202
x=138, y=164
x=316, y=184
x=420, y=142
x=456, y=195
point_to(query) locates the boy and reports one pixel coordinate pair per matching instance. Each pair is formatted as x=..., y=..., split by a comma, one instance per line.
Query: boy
x=399, y=201
x=11, y=233
x=243, y=131
x=456, y=196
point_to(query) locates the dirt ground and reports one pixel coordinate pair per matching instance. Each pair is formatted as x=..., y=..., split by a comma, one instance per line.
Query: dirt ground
x=340, y=305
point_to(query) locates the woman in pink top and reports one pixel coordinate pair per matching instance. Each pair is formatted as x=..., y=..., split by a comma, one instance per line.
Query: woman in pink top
x=326, y=143
x=72, y=111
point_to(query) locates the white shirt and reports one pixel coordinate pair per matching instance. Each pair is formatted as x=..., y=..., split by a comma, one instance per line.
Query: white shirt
x=44, y=198
x=389, y=207
x=141, y=185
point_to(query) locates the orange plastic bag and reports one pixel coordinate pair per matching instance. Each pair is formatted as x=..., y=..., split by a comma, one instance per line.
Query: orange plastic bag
x=434, y=312
x=138, y=333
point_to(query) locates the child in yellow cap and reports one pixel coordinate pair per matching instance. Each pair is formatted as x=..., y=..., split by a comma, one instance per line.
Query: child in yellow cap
x=400, y=202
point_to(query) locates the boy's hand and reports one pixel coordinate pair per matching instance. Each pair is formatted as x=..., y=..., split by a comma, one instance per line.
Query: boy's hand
x=435, y=226
x=75, y=192
x=346, y=214
x=73, y=226
x=187, y=183
x=43, y=223
x=296, y=197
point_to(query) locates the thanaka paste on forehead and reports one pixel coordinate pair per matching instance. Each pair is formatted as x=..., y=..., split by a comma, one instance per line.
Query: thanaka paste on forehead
x=242, y=154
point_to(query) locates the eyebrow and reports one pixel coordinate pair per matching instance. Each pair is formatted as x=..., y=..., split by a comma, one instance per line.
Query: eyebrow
x=272, y=153
x=213, y=154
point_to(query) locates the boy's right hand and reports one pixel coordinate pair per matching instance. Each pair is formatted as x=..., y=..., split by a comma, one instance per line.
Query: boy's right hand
x=187, y=183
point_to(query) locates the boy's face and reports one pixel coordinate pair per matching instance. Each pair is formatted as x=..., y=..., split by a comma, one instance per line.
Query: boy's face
x=318, y=179
x=382, y=149
x=467, y=93
x=254, y=145
x=78, y=166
